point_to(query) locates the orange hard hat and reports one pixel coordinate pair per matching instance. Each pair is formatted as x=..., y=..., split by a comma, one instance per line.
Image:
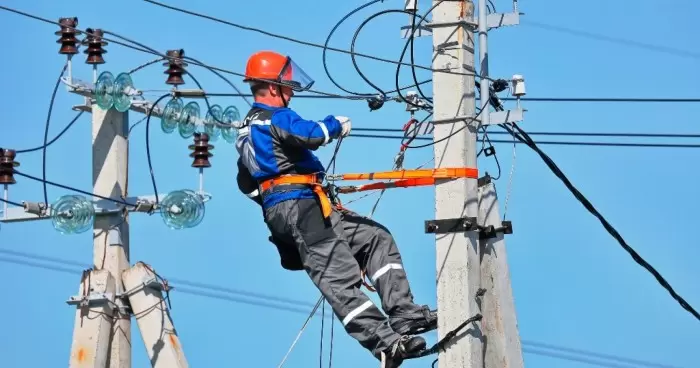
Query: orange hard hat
x=274, y=67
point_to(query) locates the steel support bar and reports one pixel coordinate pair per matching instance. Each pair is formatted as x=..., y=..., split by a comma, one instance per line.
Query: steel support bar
x=506, y=116
x=497, y=20
x=153, y=317
x=93, y=320
x=500, y=322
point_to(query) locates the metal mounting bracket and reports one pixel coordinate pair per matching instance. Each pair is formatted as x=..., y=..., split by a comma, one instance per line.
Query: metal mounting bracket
x=421, y=31
x=497, y=20
x=453, y=225
x=93, y=299
x=506, y=116
x=490, y=231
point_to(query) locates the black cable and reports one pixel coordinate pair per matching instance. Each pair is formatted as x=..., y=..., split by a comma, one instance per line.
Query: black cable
x=164, y=56
x=132, y=71
x=525, y=138
x=220, y=76
x=54, y=139
x=572, y=134
x=466, y=124
x=411, y=40
x=354, y=40
x=148, y=145
x=554, y=143
x=46, y=133
x=206, y=101
x=603, y=99
x=325, y=48
x=306, y=43
x=132, y=41
x=73, y=189
x=12, y=203
x=495, y=156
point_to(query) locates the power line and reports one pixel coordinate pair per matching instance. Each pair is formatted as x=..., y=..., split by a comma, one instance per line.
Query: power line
x=522, y=99
x=164, y=56
x=522, y=136
x=570, y=134
x=616, y=40
x=269, y=301
x=553, y=143
x=298, y=41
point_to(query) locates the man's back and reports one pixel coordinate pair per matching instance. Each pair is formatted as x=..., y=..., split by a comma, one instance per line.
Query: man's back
x=276, y=141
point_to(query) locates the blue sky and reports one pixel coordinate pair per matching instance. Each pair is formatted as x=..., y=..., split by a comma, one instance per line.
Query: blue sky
x=573, y=284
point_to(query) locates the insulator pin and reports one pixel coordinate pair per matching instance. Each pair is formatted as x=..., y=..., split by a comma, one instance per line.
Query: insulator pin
x=68, y=32
x=176, y=67
x=7, y=166
x=201, y=149
x=95, y=46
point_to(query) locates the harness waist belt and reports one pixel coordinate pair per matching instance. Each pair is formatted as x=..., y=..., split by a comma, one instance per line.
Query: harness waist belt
x=309, y=179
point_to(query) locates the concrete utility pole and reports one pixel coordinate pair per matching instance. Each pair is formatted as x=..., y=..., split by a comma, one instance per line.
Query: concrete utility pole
x=458, y=272
x=111, y=233
x=472, y=270
x=500, y=324
x=146, y=298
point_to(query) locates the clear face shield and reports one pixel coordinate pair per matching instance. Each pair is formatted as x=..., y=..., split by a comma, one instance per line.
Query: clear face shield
x=293, y=76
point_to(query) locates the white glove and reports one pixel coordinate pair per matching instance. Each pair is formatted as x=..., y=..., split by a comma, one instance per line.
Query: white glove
x=346, y=124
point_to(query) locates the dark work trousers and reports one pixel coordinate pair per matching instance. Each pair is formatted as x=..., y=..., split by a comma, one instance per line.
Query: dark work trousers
x=332, y=252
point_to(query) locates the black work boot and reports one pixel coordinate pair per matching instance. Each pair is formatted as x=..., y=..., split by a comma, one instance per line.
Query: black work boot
x=418, y=322
x=404, y=348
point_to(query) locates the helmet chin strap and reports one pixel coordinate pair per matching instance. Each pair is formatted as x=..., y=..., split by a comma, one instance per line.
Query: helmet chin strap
x=284, y=101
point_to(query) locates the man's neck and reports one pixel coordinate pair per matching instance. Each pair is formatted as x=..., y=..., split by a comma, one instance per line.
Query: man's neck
x=269, y=101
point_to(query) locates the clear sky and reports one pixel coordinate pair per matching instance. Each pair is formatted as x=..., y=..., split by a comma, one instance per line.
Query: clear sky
x=573, y=284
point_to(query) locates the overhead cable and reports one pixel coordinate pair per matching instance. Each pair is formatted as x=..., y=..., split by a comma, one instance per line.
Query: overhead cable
x=302, y=42
x=554, y=143
x=153, y=52
x=570, y=134
x=522, y=136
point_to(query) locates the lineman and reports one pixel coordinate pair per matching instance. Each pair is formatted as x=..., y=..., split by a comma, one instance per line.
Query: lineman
x=275, y=146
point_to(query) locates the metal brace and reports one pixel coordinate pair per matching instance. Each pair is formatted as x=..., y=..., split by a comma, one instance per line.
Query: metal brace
x=150, y=282
x=453, y=225
x=92, y=299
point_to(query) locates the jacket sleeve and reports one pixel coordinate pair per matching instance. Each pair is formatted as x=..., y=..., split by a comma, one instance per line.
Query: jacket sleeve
x=247, y=184
x=291, y=129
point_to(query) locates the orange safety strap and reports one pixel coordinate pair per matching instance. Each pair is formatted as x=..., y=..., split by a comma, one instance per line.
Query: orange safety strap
x=440, y=173
x=310, y=179
x=387, y=185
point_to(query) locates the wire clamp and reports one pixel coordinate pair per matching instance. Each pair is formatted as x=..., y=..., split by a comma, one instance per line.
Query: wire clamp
x=453, y=225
